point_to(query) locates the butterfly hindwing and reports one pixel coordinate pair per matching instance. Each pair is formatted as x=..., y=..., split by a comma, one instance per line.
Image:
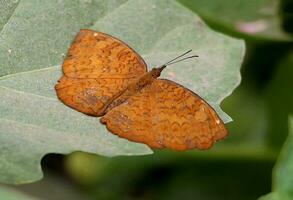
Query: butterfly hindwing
x=165, y=114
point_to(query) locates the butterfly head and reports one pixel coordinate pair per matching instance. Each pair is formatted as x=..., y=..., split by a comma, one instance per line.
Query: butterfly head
x=156, y=72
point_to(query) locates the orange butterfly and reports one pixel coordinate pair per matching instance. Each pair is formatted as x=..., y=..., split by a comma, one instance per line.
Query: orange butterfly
x=105, y=77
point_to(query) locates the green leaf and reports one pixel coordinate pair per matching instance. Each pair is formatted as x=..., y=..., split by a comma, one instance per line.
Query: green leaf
x=257, y=19
x=11, y=194
x=282, y=175
x=33, y=122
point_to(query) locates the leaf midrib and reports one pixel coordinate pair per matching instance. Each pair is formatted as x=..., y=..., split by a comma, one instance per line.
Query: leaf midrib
x=8, y=20
x=27, y=93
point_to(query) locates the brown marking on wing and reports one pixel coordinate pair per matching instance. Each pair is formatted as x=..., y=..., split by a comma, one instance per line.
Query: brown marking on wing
x=89, y=96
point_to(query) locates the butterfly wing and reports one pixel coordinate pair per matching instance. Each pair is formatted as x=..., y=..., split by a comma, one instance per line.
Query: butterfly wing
x=96, y=69
x=165, y=114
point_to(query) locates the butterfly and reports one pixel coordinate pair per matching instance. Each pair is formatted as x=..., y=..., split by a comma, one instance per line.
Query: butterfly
x=106, y=78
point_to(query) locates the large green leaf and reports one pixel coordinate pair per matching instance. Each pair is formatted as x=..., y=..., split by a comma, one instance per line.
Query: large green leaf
x=282, y=175
x=33, y=122
x=257, y=19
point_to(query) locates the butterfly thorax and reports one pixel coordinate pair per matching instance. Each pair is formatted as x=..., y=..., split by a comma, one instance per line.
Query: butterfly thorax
x=135, y=86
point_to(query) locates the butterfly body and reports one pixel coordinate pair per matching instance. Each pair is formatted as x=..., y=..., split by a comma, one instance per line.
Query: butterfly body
x=105, y=77
x=134, y=87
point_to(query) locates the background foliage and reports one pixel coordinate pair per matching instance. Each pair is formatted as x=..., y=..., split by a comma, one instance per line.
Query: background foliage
x=239, y=167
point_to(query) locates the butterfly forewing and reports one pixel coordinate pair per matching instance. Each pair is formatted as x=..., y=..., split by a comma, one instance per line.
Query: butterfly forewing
x=165, y=114
x=98, y=55
x=96, y=69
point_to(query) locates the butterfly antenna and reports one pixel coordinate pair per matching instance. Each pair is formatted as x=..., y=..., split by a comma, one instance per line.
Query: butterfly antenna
x=177, y=57
x=194, y=56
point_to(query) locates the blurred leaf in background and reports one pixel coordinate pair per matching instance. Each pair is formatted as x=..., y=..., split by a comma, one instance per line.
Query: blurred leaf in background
x=282, y=174
x=169, y=175
x=12, y=194
x=286, y=11
x=257, y=19
x=279, y=95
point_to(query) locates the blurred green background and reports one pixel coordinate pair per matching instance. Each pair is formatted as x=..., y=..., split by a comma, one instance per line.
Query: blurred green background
x=240, y=167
